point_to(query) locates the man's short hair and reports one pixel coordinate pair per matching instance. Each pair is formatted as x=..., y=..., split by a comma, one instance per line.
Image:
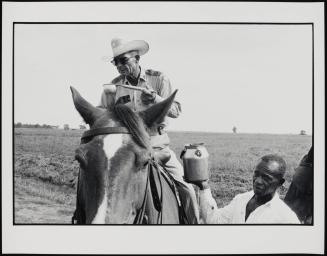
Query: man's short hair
x=278, y=159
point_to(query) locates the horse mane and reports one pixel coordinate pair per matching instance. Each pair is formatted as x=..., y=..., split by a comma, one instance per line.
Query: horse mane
x=133, y=123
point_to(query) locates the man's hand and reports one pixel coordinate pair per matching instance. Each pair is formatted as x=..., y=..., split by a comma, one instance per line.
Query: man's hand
x=202, y=184
x=148, y=96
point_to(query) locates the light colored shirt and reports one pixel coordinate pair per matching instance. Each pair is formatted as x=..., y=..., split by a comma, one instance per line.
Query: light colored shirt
x=155, y=80
x=274, y=211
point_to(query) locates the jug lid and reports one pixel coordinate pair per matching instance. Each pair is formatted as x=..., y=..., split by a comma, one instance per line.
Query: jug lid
x=194, y=145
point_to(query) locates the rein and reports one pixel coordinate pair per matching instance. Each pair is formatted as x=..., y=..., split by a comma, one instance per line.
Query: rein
x=157, y=200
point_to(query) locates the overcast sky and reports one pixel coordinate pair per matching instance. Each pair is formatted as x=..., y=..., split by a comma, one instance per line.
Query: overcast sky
x=255, y=77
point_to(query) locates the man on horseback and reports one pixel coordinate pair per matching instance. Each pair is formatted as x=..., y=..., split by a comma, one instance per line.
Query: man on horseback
x=155, y=88
x=261, y=205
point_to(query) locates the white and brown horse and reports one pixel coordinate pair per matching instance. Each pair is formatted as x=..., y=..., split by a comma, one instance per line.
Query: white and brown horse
x=118, y=182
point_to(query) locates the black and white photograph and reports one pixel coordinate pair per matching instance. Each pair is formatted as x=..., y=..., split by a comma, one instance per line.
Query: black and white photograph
x=163, y=127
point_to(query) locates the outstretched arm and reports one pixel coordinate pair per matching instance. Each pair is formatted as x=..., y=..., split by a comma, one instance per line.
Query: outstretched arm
x=107, y=99
x=209, y=212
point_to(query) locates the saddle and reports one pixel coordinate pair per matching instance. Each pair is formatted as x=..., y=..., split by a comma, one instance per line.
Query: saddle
x=157, y=172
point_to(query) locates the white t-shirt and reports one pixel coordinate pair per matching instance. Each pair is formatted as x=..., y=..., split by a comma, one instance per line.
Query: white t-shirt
x=274, y=211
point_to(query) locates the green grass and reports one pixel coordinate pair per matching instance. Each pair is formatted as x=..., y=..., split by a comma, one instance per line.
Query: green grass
x=44, y=158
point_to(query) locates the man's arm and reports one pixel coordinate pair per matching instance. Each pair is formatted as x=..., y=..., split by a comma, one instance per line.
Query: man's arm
x=209, y=212
x=163, y=91
x=107, y=99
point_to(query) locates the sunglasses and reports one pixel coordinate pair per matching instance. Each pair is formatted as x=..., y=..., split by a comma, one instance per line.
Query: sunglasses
x=122, y=61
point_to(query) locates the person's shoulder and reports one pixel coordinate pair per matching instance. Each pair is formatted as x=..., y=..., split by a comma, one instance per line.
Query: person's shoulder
x=156, y=75
x=245, y=195
x=152, y=72
x=285, y=212
x=285, y=207
x=117, y=79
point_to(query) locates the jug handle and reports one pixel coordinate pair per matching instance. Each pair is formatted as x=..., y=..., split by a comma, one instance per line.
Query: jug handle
x=182, y=153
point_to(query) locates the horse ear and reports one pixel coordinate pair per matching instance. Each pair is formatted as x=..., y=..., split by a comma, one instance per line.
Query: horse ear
x=88, y=112
x=157, y=112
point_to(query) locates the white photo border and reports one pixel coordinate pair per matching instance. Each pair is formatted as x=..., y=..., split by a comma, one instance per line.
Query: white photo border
x=162, y=239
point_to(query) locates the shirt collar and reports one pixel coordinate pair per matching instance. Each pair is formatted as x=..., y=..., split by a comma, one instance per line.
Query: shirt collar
x=275, y=198
x=142, y=76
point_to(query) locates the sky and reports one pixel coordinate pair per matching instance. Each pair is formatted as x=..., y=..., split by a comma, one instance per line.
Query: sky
x=255, y=77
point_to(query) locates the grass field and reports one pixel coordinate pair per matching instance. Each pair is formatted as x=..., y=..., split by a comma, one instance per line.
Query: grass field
x=45, y=172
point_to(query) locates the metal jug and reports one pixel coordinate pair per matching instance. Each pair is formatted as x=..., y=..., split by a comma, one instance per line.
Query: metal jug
x=195, y=161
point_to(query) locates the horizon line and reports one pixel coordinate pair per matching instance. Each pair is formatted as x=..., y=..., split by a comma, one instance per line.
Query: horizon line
x=184, y=131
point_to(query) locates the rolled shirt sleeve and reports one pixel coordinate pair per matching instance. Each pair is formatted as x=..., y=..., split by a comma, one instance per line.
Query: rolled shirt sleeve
x=107, y=99
x=209, y=212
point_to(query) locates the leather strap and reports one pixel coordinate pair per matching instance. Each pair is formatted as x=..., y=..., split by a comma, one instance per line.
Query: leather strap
x=105, y=130
x=154, y=190
x=115, y=130
x=140, y=215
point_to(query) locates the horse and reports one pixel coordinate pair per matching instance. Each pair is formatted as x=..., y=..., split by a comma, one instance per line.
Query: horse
x=120, y=180
x=299, y=196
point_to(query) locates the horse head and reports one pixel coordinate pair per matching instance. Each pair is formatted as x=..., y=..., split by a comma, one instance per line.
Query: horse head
x=113, y=159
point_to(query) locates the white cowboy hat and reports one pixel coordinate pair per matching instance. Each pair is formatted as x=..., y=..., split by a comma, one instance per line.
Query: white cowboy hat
x=120, y=46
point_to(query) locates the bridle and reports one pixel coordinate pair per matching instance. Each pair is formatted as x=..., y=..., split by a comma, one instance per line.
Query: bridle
x=151, y=164
x=105, y=130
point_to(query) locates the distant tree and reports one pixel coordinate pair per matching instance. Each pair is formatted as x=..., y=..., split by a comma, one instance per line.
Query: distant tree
x=302, y=132
x=234, y=129
x=82, y=127
x=46, y=126
x=66, y=127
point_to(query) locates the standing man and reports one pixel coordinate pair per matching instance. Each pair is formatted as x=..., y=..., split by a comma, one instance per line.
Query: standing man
x=157, y=87
x=261, y=205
